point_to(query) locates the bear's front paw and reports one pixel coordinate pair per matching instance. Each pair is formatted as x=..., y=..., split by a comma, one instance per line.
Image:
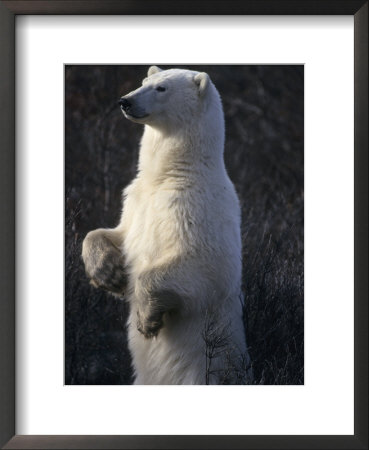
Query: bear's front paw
x=149, y=327
x=104, y=264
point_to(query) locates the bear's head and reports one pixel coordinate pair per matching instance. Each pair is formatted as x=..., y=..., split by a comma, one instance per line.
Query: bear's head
x=173, y=97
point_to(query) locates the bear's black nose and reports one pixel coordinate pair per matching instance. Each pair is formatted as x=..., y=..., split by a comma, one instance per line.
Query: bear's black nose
x=124, y=103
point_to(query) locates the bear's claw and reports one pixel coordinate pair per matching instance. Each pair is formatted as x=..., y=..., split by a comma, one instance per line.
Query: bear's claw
x=149, y=328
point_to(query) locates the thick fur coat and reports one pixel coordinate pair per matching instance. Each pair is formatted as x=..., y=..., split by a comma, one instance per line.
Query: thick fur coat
x=176, y=253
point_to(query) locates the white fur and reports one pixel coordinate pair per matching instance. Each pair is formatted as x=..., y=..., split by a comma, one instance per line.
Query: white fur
x=181, y=226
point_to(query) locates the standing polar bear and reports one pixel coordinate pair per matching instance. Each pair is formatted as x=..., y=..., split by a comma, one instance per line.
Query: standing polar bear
x=176, y=253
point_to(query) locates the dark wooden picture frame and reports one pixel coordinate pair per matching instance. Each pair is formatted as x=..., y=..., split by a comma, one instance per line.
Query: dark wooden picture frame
x=8, y=11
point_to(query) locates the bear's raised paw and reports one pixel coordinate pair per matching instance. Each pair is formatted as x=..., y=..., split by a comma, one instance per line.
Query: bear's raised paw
x=104, y=263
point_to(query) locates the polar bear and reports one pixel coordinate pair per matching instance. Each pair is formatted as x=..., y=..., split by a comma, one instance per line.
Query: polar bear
x=176, y=253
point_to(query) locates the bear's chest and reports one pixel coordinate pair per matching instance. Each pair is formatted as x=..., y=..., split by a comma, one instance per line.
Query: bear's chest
x=154, y=225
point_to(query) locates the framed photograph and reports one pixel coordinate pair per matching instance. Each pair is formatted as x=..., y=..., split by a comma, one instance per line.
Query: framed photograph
x=237, y=133
x=269, y=182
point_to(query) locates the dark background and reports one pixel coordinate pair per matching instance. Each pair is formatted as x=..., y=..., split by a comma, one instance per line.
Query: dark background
x=264, y=113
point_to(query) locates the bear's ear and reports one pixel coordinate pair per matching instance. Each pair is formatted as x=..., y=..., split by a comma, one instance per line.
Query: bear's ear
x=152, y=70
x=202, y=81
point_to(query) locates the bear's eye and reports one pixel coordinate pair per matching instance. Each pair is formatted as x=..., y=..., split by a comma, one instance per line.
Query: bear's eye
x=161, y=88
